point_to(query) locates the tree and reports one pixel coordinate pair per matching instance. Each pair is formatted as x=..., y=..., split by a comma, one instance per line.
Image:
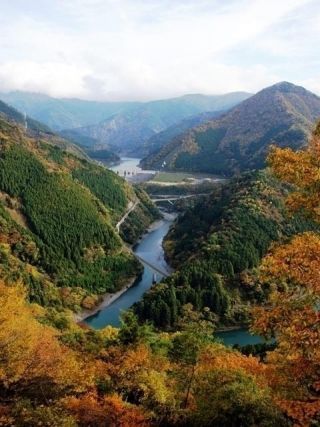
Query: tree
x=197, y=331
x=109, y=411
x=300, y=168
x=31, y=357
x=292, y=317
x=293, y=270
x=131, y=332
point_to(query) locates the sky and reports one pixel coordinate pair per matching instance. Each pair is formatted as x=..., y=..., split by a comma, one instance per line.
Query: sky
x=151, y=49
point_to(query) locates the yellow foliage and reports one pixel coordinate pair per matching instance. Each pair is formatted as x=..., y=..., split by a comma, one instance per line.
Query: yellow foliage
x=31, y=350
x=292, y=315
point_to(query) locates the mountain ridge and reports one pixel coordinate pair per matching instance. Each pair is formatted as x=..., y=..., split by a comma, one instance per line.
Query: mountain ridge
x=129, y=131
x=62, y=113
x=283, y=114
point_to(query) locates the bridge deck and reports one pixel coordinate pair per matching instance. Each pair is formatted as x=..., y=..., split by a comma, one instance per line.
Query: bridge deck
x=156, y=269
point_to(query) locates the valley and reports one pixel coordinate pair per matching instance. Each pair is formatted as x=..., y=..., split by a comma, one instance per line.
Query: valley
x=149, y=251
x=159, y=213
x=124, y=262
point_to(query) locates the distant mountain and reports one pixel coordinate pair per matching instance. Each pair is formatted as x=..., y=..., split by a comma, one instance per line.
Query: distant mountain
x=283, y=114
x=162, y=138
x=64, y=113
x=39, y=130
x=128, y=131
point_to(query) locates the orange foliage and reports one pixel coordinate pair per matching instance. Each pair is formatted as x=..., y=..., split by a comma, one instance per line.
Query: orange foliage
x=302, y=169
x=111, y=411
x=293, y=318
x=217, y=357
x=292, y=315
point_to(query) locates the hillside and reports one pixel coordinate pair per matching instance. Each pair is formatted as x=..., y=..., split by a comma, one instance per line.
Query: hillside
x=58, y=216
x=12, y=114
x=87, y=144
x=39, y=130
x=283, y=114
x=215, y=245
x=130, y=130
x=160, y=139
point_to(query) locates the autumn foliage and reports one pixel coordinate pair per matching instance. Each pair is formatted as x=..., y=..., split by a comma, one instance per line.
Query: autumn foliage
x=293, y=271
x=55, y=373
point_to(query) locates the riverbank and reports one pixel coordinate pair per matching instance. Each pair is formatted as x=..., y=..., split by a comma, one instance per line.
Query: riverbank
x=106, y=300
x=109, y=298
x=166, y=216
x=150, y=251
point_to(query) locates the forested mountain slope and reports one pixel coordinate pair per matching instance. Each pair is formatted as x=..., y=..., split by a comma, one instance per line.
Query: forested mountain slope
x=15, y=115
x=58, y=216
x=36, y=129
x=283, y=114
x=162, y=138
x=215, y=244
x=128, y=131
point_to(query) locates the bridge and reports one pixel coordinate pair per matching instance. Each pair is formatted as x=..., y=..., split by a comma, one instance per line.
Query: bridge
x=156, y=269
x=165, y=198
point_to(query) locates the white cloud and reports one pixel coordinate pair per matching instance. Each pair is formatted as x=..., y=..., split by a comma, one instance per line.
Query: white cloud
x=56, y=79
x=138, y=49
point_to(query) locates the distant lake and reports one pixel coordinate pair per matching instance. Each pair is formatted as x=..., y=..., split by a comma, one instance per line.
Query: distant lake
x=239, y=336
x=128, y=167
x=127, y=163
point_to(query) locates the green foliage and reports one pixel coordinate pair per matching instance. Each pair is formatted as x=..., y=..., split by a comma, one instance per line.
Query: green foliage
x=140, y=218
x=105, y=185
x=208, y=143
x=131, y=332
x=163, y=304
x=16, y=116
x=78, y=246
x=106, y=156
x=237, y=401
x=239, y=140
x=258, y=350
x=214, y=242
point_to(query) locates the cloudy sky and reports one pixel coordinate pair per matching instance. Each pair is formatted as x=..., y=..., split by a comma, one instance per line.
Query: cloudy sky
x=147, y=49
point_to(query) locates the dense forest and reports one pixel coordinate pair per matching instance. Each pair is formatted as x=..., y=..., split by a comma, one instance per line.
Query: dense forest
x=216, y=246
x=67, y=209
x=139, y=219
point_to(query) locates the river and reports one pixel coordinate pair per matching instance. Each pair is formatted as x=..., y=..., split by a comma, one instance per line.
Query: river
x=150, y=250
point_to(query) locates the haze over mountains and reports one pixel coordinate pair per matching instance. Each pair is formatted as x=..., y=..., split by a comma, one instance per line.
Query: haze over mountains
x=283, y=114
x=58, y=214
x=63, y=113
x=125, y=126
x=222, y=134
x=128, y=131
